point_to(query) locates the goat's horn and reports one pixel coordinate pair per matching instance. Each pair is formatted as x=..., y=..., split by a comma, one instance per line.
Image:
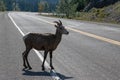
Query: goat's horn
x=60, y=22
x=57, y=22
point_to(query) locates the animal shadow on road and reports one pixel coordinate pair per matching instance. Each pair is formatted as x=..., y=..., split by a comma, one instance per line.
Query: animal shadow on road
x=44, y=73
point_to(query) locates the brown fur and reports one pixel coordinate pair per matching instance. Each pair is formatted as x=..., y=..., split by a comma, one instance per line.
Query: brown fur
x=47, y=42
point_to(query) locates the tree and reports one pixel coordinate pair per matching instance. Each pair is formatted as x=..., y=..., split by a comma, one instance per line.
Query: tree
x=44, y=6
x=15, y=6
x=40, y=7
x=66, y=7
x=81, y=4
x=2, y=6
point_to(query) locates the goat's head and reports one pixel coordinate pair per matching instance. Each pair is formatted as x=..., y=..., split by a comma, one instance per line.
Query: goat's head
x=61, y=28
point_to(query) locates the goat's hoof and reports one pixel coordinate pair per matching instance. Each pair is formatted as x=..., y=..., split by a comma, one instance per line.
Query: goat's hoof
x=43, y=69
x=24, y=69
x=52, y=67
x=29, y=68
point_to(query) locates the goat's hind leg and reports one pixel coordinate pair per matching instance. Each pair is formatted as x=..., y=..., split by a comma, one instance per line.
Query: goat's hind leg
x=26, y=58
x=24, y=61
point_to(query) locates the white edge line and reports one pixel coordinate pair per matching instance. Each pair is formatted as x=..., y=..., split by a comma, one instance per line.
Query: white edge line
x=16, y=25
x=52, y=72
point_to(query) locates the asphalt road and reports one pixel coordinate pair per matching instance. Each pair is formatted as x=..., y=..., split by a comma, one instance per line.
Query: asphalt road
x=78, y=57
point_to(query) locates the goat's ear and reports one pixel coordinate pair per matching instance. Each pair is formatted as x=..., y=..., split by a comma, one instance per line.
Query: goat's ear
x=56, y=26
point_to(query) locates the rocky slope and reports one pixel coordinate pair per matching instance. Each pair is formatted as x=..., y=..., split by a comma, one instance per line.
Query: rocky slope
x=99, y=4
x=110, y=14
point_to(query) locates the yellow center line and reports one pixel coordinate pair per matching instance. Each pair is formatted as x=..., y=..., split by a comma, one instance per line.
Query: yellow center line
x=92, y=35
x=96, y=37
x=87, y=34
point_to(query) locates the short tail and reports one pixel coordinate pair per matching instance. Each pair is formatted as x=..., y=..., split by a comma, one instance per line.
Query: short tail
x=24, y=37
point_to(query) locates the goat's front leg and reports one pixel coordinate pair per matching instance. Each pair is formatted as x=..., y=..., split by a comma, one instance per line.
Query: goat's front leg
x=45, y=56
x=51, y=60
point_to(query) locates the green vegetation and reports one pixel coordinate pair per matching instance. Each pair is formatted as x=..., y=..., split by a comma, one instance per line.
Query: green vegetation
x=27, y=5
x=68, y=8
x=15, y=7
x=45, y=6
x=2, y=6
x=96, y=10
x=110, y=13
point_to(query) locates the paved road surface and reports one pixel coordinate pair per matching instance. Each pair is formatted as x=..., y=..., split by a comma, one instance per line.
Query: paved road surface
x=78, y=57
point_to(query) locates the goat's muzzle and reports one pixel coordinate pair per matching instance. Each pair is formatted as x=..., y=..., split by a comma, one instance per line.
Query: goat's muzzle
x=67, y=33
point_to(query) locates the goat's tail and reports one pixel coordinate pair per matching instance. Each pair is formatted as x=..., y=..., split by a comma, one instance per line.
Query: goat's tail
x=26, y=35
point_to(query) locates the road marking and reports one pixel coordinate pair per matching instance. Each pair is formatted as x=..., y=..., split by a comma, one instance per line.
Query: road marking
x=15, y=24
x=96, y=36
x=52, y=72
x=84, y=33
